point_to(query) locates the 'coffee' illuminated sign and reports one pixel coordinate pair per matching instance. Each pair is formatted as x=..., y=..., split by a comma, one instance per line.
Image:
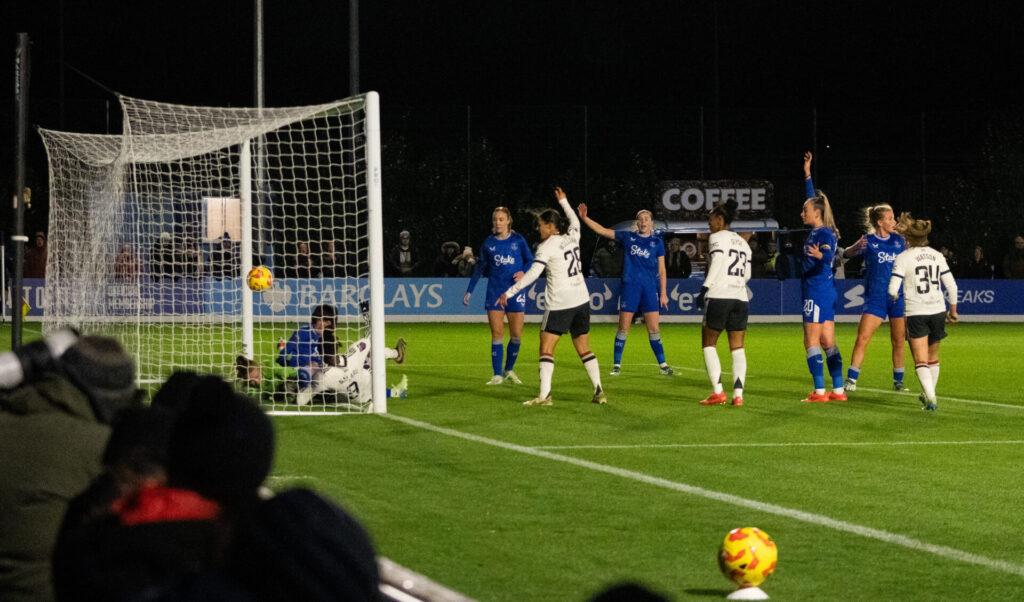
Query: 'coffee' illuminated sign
x=693, y=199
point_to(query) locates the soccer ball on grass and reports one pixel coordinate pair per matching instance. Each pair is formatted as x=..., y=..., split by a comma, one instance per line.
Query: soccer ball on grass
x=747, y=556
x=259, y=278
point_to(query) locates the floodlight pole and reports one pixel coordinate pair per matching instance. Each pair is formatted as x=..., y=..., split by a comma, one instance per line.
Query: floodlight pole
x=21, y=64
x=353, y=47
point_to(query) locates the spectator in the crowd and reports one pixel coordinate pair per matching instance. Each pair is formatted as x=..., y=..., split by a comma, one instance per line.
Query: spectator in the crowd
x=773, y=257
x=218, y=453
x=35, y=257
x=191, y=258
x=789, y=264
x=126, y=267
x=608, y=260
x=447, y=263
x=332, y=263
x=300, y=546
x=466, y=262
x=225, y=262
x=162, y=258
x=979, y=267
x=951, y=261
x=1013, y=262
x=403, y=260
x=53, y=429
x=677, y=262
x=302, y=264
x=758, y=259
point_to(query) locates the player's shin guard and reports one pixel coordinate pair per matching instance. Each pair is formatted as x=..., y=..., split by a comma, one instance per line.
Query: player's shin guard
x=714, y=368
x=739, y=371
x=512, y=353
x=924, y=374
x=547, y=368
x=817, y=367
x=496, y=351
x=590, y=363
x=933, y=367
x=620, y=344
x=657, y=347
x=835, y=367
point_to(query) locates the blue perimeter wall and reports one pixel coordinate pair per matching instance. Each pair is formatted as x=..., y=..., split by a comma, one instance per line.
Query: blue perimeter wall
x=440, y=299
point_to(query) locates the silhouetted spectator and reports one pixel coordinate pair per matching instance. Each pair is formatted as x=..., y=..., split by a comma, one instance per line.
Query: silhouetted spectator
x=1013, y=262
x=979, y=267
x=951, y=261
x=773, y=258
x=758, y=258
x=224, y=260
x=447, y=263
x=126, y=266
x=52, y=434
x=300, y=546
x=332, y=263
x=163, y=260
x=35, y=257
x=608, y=260
x=789, y=264
x=466, y=262
x=403, y=259
x=677, y=262
x=302, y=263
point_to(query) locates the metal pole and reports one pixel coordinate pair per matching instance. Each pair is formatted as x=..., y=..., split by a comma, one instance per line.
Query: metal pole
x=717, y=103
x=21, y=64
x=469, y=175
x=60, y=70
x=353, y=47
x=700, y=149
x=814, y=143
x=586, y=157
x=924, y=173
x=258, y=50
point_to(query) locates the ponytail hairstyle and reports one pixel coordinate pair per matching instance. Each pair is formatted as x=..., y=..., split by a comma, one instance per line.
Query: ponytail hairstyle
x=872, y=215
x=553, y=216
x=821, y=203
x=915, y=231
x=727, y=210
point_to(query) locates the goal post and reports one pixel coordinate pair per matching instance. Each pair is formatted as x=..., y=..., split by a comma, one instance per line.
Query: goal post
x=154, y=231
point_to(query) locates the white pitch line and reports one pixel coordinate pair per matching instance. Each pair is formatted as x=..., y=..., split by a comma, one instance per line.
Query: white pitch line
x=780, y=444
x=808, y=517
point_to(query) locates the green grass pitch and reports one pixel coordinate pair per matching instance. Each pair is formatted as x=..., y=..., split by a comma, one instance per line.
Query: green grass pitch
x=869, y=499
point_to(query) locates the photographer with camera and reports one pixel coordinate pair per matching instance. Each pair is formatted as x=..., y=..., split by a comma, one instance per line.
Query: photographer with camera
x=56, y=399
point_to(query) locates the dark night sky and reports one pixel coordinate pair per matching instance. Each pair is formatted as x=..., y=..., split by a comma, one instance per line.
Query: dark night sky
x=924, y=55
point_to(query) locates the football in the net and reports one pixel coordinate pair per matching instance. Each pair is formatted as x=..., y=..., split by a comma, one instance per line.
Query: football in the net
x=747, y=556
x=259, y=278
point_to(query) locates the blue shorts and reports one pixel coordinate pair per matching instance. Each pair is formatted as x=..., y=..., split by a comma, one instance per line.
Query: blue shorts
x=820, y=307
x=516, y=304
x=642, y=297
x=883, y=306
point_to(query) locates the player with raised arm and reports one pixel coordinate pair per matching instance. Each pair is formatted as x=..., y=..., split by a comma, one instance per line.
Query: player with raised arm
x=643, y=282
x=504, y=256
x=922, y=273
x=819, y=292
x=566, y=296
x=727, y=306
x=879, y=247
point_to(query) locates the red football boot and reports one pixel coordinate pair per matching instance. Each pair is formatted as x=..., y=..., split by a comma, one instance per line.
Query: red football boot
x=816, y=398
x=714, y=399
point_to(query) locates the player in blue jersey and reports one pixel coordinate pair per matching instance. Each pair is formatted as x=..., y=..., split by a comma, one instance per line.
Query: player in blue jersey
x=504, y=256
x=643, y=282
x=819, y=292
x=304, y=350
x=879, y=247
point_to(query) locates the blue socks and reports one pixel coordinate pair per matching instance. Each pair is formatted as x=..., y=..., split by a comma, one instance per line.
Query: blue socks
x=496, y=352
x=513, y=353
x=853, y=373
x=620, y=344
x=897, y=375
x=657, y=348
x=835, y=366
x=817, y=367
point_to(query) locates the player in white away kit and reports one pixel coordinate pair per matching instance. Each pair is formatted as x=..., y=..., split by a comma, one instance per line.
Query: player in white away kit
x=566, y=296
x=923, y=272
x=725, y=289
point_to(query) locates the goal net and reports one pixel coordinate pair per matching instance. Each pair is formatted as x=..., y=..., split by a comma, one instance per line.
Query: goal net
x=153, y=233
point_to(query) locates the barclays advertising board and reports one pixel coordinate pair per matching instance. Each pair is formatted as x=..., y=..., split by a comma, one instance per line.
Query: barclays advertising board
x=440, y=299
